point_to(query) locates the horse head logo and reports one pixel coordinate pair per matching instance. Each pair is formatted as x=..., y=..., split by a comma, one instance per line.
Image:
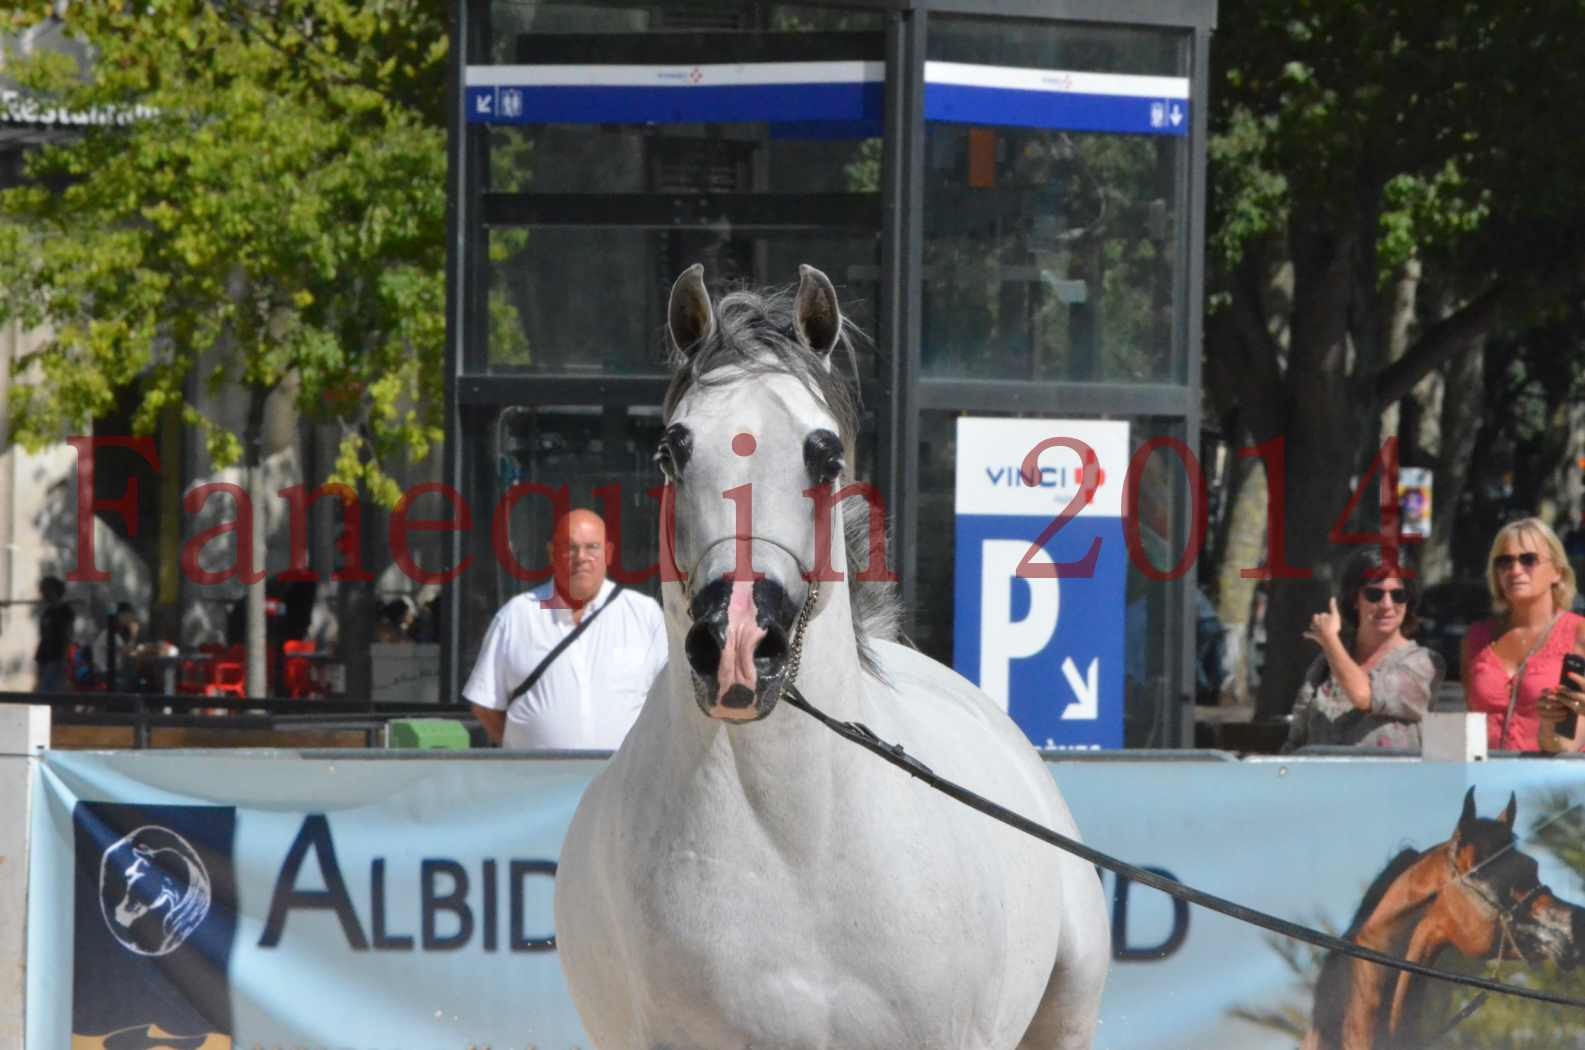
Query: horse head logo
x=154, y=890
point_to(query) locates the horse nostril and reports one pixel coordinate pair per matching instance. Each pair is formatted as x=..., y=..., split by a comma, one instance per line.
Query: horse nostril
x=773, y=646
x=703, y=649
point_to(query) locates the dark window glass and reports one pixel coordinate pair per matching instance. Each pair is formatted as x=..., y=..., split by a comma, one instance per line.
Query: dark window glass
x=1054, y=254
x=600, y=453
x=589, y=223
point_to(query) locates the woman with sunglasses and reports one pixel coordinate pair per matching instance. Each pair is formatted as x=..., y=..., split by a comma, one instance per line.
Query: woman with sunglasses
x=1512, y=662
x=1371, y=685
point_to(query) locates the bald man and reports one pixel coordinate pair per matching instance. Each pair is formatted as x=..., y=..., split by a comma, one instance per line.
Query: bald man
x=588, y=696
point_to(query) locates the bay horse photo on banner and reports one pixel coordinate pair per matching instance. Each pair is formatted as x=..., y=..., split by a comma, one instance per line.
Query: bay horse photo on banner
x=1476, y=894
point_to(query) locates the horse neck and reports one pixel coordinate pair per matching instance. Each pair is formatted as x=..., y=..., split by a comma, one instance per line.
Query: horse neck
x=829, y=674
x=784, y=768
x=1399, y=906
x=1388, y=928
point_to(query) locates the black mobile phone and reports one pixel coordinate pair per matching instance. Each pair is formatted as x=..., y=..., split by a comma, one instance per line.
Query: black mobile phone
x=1573, y=663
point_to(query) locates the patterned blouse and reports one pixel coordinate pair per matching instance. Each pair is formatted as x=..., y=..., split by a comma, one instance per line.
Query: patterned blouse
x=1401, y=688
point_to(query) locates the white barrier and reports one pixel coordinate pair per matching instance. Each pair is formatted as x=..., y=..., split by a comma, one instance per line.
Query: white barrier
x=1454, y=736
x=24, y=735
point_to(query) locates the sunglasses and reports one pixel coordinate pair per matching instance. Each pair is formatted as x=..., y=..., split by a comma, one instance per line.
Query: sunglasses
x=1375, y=594
x=1504, y=562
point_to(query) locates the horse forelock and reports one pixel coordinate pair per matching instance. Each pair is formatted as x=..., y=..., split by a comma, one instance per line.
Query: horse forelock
x=1487, y=838
x=755, y=335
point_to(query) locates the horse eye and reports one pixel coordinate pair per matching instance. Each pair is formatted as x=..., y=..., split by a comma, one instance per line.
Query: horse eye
x=823, y=457
x=676, y=445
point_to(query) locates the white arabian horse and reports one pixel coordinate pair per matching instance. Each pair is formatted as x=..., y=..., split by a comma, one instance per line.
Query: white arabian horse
x=738, y=876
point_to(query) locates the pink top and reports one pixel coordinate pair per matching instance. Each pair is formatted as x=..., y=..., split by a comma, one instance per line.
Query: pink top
x=1489, y=682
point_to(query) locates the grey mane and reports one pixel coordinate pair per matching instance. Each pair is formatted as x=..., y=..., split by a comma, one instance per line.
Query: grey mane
x=754, y=334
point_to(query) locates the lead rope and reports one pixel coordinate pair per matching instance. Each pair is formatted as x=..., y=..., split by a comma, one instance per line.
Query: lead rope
x=862, y=735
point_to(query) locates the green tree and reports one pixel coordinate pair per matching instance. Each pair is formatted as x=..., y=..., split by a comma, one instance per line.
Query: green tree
x=1357, y=147
x=268, y=206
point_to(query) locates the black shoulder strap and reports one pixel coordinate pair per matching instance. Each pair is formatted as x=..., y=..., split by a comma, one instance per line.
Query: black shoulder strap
x=533, y=676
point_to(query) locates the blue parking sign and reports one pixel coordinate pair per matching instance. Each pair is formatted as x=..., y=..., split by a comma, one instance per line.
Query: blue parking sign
x=1039, y=619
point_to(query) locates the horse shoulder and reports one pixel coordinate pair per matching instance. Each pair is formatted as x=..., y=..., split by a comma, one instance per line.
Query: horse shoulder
x=951, y=725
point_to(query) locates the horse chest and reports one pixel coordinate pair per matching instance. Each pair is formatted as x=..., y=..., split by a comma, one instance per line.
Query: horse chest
x=836, y=884
x=726, y=924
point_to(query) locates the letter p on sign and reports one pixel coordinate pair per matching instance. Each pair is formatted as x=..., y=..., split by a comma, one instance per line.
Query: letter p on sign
x=1003, y=639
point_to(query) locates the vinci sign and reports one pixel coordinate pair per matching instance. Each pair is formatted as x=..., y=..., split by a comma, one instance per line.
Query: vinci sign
x=1040, y=578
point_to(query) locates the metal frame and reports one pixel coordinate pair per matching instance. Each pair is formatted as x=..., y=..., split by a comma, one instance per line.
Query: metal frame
x=901, y=393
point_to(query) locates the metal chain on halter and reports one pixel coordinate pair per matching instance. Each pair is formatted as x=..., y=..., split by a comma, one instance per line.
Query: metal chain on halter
x=798, y=639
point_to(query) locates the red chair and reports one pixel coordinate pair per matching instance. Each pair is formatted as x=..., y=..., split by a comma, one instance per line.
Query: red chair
x=228, y=677
x=298, y=674
x=193, y=676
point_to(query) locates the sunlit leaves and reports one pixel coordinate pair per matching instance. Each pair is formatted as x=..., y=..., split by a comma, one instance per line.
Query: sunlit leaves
x=278, y=211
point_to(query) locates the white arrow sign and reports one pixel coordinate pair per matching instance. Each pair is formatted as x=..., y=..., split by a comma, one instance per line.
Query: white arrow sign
x=1176, y=115
x=484, y=103
x=1087, y=706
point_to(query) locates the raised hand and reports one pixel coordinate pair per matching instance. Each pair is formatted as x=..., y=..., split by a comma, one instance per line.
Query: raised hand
x=1325, y=626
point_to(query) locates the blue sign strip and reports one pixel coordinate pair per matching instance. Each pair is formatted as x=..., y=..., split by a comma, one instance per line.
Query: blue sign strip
x=1057, y=111
x=853, y=108
x=730, y=104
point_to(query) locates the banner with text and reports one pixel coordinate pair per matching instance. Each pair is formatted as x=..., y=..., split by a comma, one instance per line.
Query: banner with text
x=204, y=900
x=1040, y=575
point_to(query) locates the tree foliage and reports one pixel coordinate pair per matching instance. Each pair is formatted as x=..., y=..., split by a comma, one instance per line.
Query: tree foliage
x=1349, y=140
x=270, y=203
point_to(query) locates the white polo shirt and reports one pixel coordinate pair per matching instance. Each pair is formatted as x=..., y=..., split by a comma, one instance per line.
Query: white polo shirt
x=591, y=694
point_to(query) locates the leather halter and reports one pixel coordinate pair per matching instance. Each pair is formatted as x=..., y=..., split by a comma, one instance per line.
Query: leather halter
x=1507, y=915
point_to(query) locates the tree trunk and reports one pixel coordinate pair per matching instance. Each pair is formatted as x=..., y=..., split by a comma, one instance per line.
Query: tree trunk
x=1463, y=400
x=165, y=619
x=1553, y=503
x=1403, y=417
x=1243, y=547
x=1322, y=429
x=258, y=654
x=358, y=610
x=1315, y=491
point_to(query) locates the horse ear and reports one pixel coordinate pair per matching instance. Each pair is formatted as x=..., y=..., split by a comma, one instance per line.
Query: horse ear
x=815, y=311
x=690, y=319
x=1469, y=808
x=1511, y=811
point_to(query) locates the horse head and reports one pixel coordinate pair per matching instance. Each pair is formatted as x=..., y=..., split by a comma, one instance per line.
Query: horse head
x=149, y=887
x=759, y=433
x=1515, y=913
x=1476, y=893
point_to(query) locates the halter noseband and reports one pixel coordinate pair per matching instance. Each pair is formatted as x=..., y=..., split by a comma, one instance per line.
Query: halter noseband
x=1506, y=915
x=693, y=571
